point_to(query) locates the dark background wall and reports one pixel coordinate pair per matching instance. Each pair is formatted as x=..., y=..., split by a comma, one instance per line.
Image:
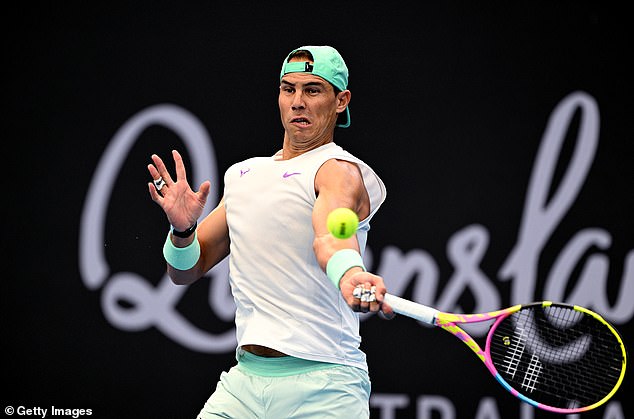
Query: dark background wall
x=451, y=104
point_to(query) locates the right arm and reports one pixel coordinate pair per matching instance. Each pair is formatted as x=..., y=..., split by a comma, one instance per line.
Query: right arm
x=213, y=237
x=183, y=207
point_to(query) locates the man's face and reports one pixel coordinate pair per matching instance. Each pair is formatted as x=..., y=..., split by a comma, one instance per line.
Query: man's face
x=308, y=107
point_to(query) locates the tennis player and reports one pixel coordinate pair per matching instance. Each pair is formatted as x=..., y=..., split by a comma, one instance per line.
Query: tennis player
x=297, y=322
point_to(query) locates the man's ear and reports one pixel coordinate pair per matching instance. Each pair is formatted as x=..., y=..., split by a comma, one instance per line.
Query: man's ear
x=343, y=100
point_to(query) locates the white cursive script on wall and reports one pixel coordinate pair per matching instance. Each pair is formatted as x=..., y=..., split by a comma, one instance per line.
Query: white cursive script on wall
x=150, y=306
x=541, y=217
x=156, y=306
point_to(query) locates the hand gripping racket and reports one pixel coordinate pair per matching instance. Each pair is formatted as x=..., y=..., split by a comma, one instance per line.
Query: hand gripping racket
x=557, y=357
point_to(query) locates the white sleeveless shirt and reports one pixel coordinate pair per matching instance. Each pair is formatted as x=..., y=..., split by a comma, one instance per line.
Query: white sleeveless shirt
x=284, y=299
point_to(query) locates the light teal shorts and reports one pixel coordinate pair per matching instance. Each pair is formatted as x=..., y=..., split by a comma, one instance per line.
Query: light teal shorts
x=288, y=387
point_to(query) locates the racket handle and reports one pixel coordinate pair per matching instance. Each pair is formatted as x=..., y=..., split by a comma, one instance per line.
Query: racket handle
x=411, y=309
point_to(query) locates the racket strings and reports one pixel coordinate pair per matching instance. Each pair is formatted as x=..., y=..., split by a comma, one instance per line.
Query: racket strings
x=557, y=355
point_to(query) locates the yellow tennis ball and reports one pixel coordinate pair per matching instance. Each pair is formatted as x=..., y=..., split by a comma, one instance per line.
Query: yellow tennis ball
x=342, y=223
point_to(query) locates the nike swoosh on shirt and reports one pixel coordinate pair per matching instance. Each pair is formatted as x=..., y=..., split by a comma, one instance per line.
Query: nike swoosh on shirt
x=286, y=174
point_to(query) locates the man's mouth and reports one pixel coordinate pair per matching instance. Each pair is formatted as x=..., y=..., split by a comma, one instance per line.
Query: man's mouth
x=300, y=121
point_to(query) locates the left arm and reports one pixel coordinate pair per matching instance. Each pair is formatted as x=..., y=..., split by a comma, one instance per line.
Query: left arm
x=339, y=183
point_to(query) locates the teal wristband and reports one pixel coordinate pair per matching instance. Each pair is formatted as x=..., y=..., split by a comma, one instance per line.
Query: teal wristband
x=340, y=262
x=182, y=258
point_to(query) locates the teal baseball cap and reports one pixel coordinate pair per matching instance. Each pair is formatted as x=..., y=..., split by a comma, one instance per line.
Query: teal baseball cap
x=327, y=64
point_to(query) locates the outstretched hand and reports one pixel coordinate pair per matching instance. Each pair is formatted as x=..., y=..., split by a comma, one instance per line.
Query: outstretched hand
x=181, y=204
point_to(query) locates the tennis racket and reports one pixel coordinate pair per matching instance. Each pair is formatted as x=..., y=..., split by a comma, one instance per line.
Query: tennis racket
x=556, y=357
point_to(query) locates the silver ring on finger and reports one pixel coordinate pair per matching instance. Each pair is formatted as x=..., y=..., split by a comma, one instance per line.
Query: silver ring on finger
x=159, y=183
x=372, y=296
x=367, y=295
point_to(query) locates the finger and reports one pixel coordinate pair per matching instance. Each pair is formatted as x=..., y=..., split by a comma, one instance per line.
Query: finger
x=366, y=298
x=154, y=194
x=203, y=191
x=357, y=292
x=157, y=179
x=162, y=170
x=386, y=312
x=153, y=172
x=356, y=298
x=159, y=184
x=374, y=308
x=369, y=296
x=181, y=173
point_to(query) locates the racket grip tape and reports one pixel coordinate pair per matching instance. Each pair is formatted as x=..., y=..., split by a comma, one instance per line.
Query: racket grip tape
x=411, y=309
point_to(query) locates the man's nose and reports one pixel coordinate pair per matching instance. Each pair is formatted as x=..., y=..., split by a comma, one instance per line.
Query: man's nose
x=298, y=101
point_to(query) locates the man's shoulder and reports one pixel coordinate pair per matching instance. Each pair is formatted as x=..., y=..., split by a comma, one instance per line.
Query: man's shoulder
x=247, y=164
